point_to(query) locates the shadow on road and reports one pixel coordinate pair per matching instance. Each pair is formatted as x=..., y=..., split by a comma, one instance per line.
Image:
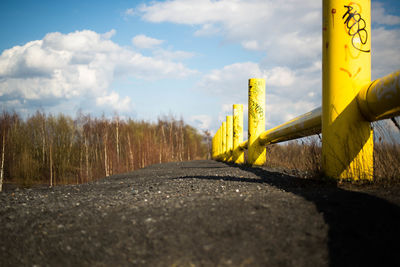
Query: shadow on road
x=364, y=230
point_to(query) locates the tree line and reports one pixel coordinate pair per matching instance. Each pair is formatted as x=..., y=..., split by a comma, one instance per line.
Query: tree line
x=61, y=150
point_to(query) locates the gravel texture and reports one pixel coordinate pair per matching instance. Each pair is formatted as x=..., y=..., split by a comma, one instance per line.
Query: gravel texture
x=200, y=213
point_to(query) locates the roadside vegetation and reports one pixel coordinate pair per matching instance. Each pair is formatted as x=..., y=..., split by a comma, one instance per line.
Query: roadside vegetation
x=48, y=149
x=300, y=157
x=387, y=151
x=303, y=157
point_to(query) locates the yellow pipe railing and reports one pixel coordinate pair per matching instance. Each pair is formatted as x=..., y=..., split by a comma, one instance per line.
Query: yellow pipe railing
x=244, y=145
x=350, y=101
x=380, y=99
x=301, y=126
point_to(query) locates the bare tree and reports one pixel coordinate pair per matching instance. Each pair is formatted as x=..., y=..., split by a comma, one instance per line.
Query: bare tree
x=106, y=166
x=208, y=141
x=49, y=149
x=51, y=164
x=2, y=159
x=117, y=137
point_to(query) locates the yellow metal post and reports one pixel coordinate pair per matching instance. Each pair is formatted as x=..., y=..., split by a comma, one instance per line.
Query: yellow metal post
x=347, y=147
x=229, y=138
x=213, y=147
x=221, y=152
x=223, y=135
x=221, y=148
x=256, y=152
x=216, y=145
x=238, y=153
x=219, y=143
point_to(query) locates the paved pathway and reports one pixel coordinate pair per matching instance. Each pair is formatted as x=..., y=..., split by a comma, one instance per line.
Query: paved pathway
x=200, y=213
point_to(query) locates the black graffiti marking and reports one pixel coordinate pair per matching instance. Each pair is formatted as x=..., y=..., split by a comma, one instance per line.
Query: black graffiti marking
x=237, y=130
x=255, y=110
x=356, y=27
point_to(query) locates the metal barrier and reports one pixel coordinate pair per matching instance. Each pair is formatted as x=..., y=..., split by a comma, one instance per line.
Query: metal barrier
x=350, y=102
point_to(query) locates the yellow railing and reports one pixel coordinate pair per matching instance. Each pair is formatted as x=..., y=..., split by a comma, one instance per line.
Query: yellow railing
x=350, y=102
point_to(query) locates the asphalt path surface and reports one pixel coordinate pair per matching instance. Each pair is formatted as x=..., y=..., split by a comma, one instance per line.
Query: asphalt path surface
x=201, y=213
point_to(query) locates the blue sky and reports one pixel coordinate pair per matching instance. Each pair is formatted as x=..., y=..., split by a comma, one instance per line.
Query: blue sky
x=188, y=58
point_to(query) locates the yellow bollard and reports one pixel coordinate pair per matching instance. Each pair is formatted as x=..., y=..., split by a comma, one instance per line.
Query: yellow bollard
x=238, y=153
x=218, y=144
x=223, y=135
x=221, y=147
x=347, y=147
x=256, y=152
x=229, y=138
x=213, y=147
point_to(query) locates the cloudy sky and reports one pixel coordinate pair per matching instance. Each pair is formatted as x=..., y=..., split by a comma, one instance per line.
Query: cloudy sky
x=188, y=58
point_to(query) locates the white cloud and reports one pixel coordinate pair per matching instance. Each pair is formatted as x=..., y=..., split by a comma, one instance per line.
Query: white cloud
x=289, y=93
x=385, y=51
x=290, y=36
x=109, y=34
x=226, y=109
x=231, y=79
x=280, y=109
x=251, y=45
x=207, y=30
x=62, y=67
x=172, y=55
x=144, y=42
x=186, y=12
x=114, y=102
x=129, y=12
x=202, y=122
x=288, y=32
x=380, y=16
x=279, y=76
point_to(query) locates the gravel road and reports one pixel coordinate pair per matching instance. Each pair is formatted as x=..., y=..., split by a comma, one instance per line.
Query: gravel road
x=200, y=213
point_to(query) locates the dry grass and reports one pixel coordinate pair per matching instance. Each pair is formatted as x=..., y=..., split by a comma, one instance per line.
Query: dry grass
x=387, y=152
x=303, y=157
x=300, y=157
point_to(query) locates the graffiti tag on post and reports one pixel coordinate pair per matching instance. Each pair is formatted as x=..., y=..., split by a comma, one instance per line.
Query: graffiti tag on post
x=256, y=111
x=356, y=25
x=237, y=129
